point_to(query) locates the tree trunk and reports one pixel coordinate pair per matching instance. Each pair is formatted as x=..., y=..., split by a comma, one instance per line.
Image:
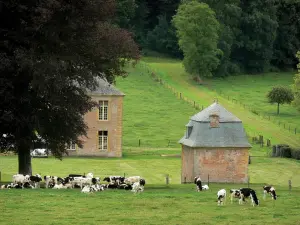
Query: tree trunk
x=277, y=108
x=24, y=158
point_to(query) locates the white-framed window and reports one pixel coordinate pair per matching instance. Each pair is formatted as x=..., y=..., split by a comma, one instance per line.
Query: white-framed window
x=103, y=110
x=71, y=146
x=102, y=140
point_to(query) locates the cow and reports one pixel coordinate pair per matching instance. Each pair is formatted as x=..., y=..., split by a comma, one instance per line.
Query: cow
x=114, y=179
x=7, y=186
x=248, y=193
x=20, y=179
x=35, y=180
x=269, y=190
x=50, y=181
x=234, y=193
x=198, y=182
x=138, y=186
x=221, y=197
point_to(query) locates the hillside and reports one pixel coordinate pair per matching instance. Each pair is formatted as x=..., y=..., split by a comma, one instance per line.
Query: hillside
x=172, y=72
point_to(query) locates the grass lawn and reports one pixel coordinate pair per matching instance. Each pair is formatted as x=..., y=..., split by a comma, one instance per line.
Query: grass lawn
x=173, y=204
x=152, y=114
x=172, y=72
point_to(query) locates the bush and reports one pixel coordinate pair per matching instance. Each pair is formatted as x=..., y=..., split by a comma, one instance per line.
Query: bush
x=295, y=153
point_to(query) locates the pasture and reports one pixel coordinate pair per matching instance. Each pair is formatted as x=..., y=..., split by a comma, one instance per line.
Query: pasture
x=158, y=204
x=172, y=72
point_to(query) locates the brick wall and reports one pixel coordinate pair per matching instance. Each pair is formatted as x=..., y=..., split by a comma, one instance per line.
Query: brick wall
x=228, y=165
x=113, y=126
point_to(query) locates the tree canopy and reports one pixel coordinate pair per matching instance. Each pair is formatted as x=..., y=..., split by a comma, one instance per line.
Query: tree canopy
x=197, y=31
x=52, y=52
x=280, y=95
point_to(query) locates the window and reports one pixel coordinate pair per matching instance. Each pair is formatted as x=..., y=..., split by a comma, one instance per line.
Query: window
x=103, y=110
x=103, y=136
x=188, y=131
x=71, y=145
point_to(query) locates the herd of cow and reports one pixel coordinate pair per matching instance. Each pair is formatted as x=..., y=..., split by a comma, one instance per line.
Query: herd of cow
x=242, y=194
x=87, y=183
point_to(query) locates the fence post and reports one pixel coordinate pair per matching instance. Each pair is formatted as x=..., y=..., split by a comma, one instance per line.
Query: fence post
x=0, y=178
x=207, y=179
x=167, y=179
x=185, y=180
x=168, y=143
x=249, y=161
x=295, y=130
x=290, y=186
x=139, y=142
x=194, y=104
x=180, y=95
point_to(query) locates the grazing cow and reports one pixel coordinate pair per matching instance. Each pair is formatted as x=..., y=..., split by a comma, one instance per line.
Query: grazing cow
x=270, y=190
x=248, y=193
x=205, y=187
x=234, y=193
x=221, y=196
x=198, y=182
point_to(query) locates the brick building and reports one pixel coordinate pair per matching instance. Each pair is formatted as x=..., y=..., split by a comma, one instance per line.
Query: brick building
x=105, y=124
x=215, y=144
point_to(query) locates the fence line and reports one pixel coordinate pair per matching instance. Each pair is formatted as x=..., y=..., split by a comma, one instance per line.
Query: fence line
x=197, y=106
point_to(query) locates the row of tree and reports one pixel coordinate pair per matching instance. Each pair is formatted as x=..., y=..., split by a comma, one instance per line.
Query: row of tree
x=253, y=35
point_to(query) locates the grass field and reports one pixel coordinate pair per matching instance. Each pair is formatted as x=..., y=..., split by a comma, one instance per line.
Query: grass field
x=152, y=114
x=172, y=72
x=173, y=204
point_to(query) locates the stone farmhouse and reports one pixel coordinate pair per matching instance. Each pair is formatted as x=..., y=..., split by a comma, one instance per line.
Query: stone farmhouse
x=104, y=135
x=215, y=147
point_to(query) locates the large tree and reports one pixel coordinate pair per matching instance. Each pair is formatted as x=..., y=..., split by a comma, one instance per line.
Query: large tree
x=51, y=53
x=197, y=30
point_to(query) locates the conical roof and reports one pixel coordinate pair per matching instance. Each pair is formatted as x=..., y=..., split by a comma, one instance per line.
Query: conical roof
x=215, y=108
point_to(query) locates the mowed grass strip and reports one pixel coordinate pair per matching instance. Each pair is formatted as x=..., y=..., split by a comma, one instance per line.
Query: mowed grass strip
x=175, y=204
x=152, y=116
x=173, y=73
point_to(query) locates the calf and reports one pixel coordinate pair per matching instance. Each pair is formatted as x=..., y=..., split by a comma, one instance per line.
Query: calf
x=270, y=190
x=221, y=196
x=248, y=193
x=138, y=186
x=198, y=182
x=234, y=193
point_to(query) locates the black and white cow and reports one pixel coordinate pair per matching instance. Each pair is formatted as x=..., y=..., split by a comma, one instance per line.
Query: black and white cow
x=138, y=186
x=7, y=186
x=198, y=182
x=270, y=190
x=234, y=193
x=221, y=196
x=114, y=179
x=35, y=180
x=248, y=193
x=50, y=181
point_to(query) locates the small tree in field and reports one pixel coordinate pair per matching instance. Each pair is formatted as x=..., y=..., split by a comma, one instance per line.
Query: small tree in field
x=280, y=95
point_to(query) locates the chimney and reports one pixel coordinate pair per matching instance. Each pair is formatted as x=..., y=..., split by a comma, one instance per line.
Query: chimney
x=214, y=120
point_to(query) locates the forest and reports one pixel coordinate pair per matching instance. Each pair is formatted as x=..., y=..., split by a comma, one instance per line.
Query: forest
x=255, y=35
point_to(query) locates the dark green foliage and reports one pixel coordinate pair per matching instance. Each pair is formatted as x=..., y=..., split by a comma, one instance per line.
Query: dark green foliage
x=51, y=53
x=280, y=95
x=163, y=38
x=287, y=42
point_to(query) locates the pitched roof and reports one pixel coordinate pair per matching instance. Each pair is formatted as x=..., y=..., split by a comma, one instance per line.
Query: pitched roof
x=105, y=88
x=230, y=132
x=224, y=115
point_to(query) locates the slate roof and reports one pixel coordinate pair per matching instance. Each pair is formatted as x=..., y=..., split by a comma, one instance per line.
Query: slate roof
x=105, y=88
x=230, y=132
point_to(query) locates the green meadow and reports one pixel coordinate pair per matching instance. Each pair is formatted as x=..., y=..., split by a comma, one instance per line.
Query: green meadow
x=154, y=121
x=158, y=204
